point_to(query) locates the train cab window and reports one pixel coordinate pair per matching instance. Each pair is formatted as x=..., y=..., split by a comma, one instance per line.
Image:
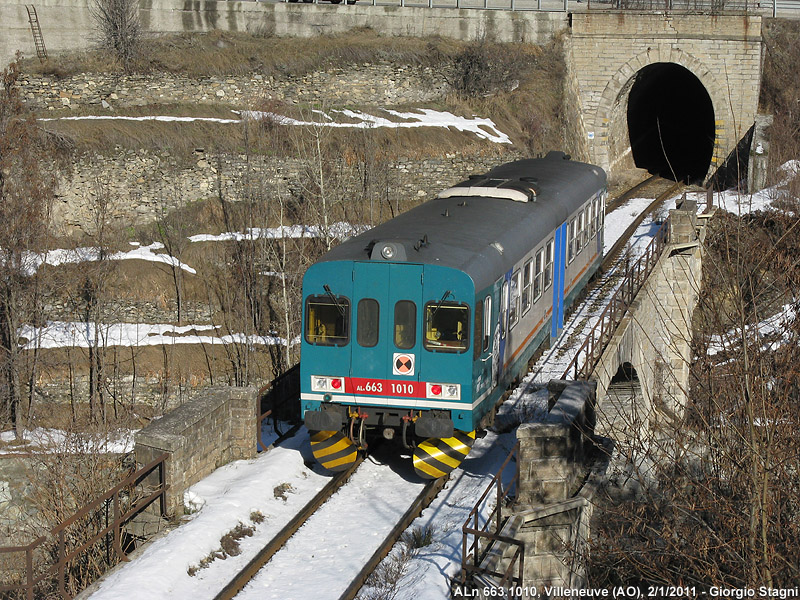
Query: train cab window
x=571, y=231
x=446, y=327
x=327, y=320
x=527, y=279
x=513, y=303
x=367, y=319
x=487, y=322
x=538, y=278
x=405, y=324
x=548, y=264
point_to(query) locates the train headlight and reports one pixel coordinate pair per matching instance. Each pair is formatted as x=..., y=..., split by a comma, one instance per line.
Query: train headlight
x=444, y=391
x=387, y=252
x=320, y=383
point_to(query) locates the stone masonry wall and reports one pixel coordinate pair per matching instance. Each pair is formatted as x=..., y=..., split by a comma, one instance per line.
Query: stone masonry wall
x=207, y=432
x=141, y=184
x=381, y=84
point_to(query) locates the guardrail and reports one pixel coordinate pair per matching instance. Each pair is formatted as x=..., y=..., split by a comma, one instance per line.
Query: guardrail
x=65, y=547
x=635, y=275
x=472, y=554
x=518, y=5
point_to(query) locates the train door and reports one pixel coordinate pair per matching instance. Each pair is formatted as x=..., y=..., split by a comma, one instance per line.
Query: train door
x=559, y=274
x=386, y=299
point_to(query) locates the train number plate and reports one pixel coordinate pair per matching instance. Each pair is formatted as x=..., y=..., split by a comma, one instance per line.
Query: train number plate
x=385, y=387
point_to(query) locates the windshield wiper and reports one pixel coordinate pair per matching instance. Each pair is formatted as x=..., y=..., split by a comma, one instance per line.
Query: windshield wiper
x=335, y=301
x=439, y=305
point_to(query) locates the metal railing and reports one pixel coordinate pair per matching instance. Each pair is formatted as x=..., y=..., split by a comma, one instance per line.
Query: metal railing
x=483, y=535
x=632, y=280
x=59, y=550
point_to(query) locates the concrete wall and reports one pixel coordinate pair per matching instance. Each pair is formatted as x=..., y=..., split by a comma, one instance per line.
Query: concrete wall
x=67, y=24
x=205, y=433
x=609, y=48
x=655, y=336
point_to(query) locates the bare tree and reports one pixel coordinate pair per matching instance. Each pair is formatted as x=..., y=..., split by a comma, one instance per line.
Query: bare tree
x=119, y=28
x=26, y=192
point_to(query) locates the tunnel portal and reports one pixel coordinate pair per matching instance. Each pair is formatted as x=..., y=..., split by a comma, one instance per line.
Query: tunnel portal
x=671, y=123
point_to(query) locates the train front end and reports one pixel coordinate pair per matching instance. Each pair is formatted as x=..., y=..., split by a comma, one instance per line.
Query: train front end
x=387, y=352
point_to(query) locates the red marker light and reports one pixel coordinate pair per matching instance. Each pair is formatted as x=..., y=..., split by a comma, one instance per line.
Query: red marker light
x=436, y=390
x=336, y=383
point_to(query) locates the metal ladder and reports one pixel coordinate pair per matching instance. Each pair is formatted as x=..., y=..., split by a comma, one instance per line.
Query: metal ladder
x=33, y=18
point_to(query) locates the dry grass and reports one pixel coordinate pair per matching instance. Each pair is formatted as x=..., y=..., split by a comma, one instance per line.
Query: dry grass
x=233, y=53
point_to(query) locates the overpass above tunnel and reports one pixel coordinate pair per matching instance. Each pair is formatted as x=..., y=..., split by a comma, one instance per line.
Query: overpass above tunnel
x=670, y=93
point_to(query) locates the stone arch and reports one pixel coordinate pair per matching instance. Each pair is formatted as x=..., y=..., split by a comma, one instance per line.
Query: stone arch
x=613, y=104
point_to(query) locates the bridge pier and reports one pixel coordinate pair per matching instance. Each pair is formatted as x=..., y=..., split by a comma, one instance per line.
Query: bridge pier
x=654, y=339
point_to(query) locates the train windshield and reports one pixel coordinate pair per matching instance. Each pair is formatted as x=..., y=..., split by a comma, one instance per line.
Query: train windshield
x=446, y=327
x=327, y=320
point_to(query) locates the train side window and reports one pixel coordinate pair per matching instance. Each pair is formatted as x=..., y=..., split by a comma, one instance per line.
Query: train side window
x=327, y=320
x=504, y=310
x=513, y=305
x=405, y=324
x=477, y=343
x=601, y=211
x=579, y=236
x=487, y=322
x=446, y=327
x=571, y=240
x=367, y=319
x=538, y=279
x=586, y=235
x=548, y=264
x=593, y=220
x=527, y=279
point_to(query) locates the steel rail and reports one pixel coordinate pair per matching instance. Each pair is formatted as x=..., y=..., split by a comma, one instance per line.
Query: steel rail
x=616, y=249
x=424, y=499
x=267, y=552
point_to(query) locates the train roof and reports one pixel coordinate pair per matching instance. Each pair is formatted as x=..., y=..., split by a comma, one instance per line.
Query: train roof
x=486, y=224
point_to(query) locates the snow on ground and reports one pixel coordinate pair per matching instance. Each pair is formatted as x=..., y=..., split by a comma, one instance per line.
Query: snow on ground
x=33, y=261
x=775, y=328
x=339, y=231
x=224, y=499
x=484, y=128
x=41, y=439
x=339, y=538
x=61, y=334
x=740, y=203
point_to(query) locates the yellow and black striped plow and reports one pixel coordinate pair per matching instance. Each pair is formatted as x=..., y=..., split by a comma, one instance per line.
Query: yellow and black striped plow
x=436, y=457
x=333, y=450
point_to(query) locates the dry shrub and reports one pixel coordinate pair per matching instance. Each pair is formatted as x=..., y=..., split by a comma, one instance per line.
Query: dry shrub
x=716, y=500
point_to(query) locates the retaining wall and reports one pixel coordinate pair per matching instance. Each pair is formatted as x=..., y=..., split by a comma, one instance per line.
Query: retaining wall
x=68, y=25
x=205, y=433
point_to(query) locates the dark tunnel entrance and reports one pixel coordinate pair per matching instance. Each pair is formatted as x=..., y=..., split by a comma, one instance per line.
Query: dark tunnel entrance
x=671, y=123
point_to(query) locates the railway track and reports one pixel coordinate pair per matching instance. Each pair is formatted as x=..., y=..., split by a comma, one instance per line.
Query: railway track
x=261, y=562
x=661, y=189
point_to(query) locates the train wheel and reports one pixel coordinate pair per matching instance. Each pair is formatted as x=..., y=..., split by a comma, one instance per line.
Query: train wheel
x=436, y=457
x=333, y=450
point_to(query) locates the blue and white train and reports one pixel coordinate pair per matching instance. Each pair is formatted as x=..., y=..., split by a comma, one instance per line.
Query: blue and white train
x=414, y=329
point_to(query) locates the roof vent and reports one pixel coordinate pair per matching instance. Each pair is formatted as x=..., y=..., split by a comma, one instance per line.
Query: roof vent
x=518, y=190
